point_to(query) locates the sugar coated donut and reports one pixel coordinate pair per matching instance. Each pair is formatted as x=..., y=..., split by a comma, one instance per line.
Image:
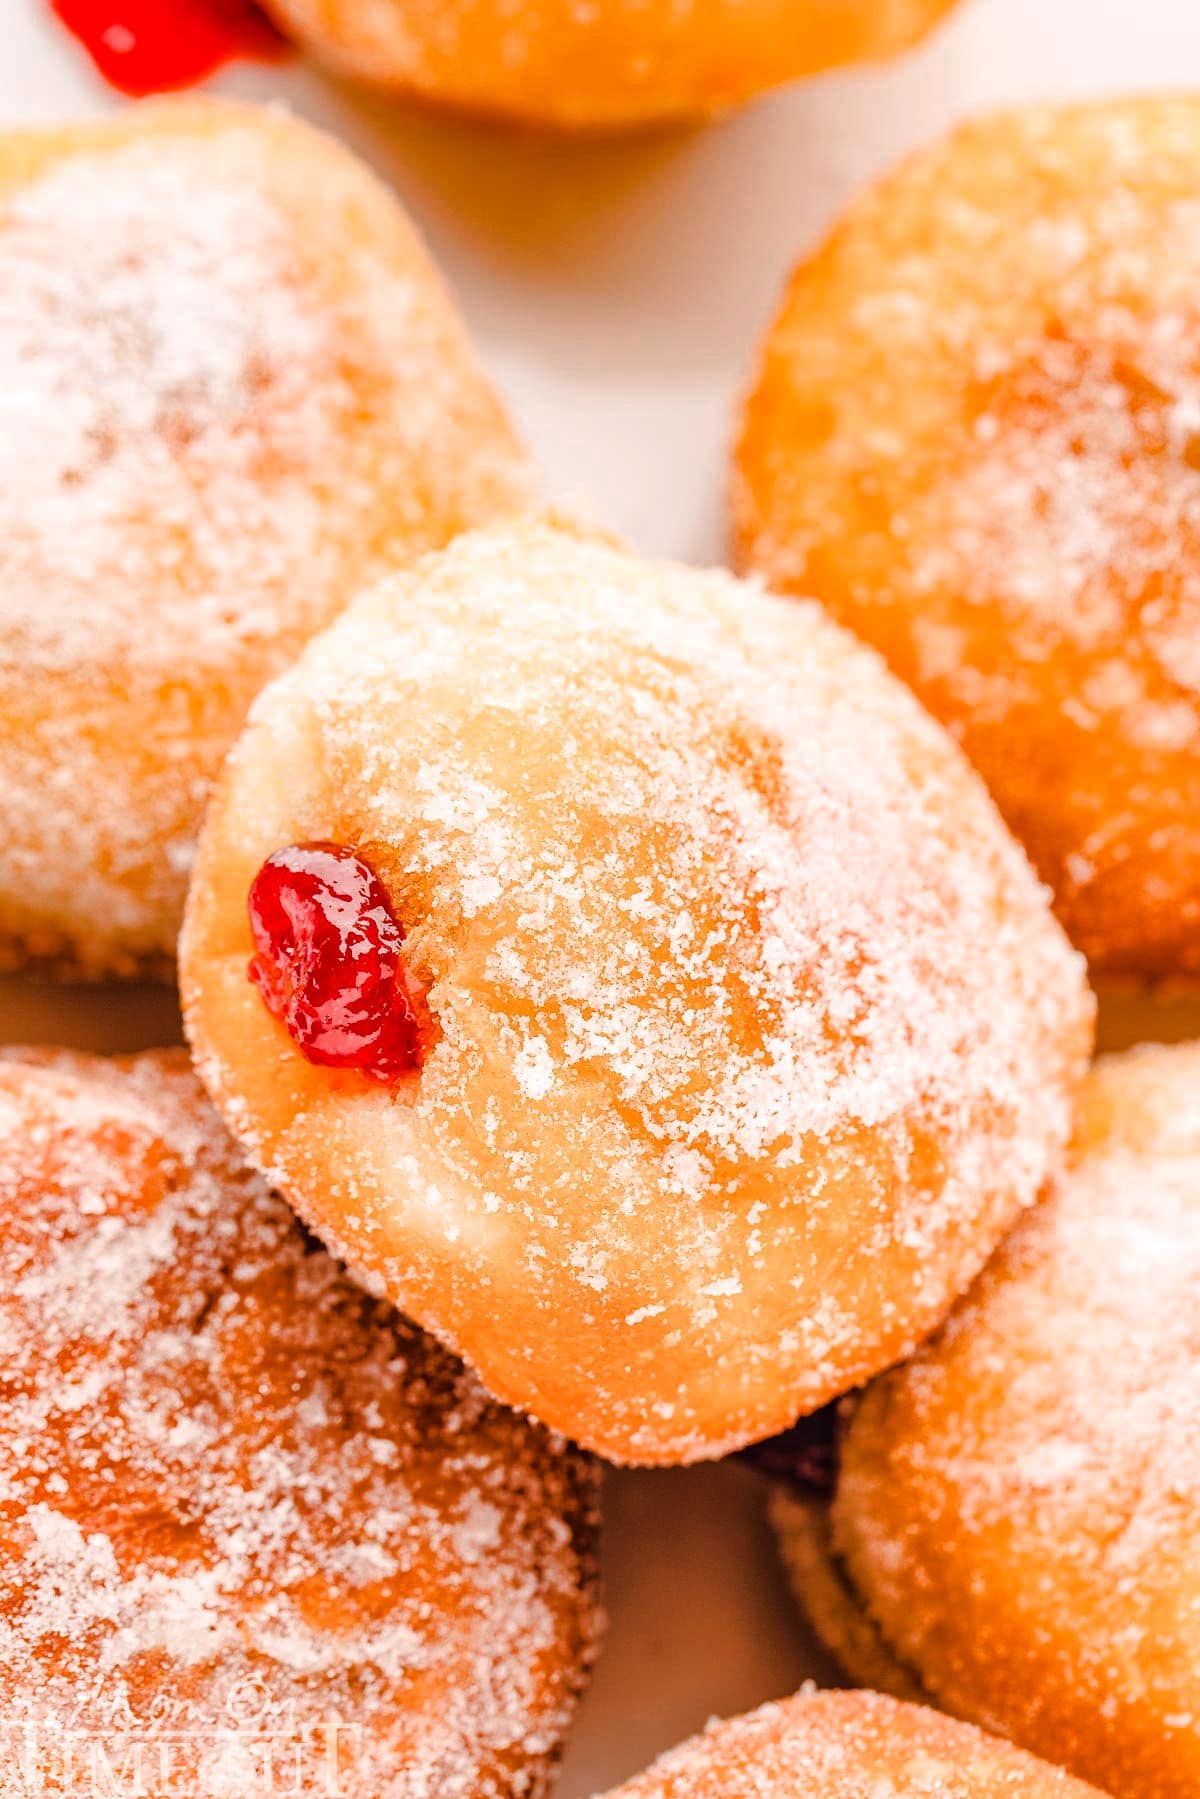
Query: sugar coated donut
x=608, y=64
x=231, y=389
x=1016, y=1520
x=828, y=1599
x=642, y=988
x=975, y=435
x=253, y=1525
x=848, y=1746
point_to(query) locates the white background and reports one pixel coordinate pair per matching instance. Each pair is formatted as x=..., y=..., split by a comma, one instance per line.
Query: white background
x=617, y=291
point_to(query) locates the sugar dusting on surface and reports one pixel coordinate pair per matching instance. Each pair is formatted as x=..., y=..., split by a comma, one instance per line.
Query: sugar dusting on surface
x=1073, y=521
x=1022, y=1502
x=156, y=348
x=237, y=1496
x=589, y=63
x=977, y=436
x=847, y=1746
x=203, y=450
x=712, y=911
x=1045, y=465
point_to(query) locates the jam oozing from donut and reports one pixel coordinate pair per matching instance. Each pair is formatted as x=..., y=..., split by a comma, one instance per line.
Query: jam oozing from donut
x=805, y=1457
x=154, y=46
x=329, y=962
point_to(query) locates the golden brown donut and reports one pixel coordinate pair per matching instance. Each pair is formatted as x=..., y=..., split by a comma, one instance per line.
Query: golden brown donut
x=232, y=388
x=848, y=1746
x=828, y=1599
x=608, y=64
x=975, y=436
x=742, y=1031
x=1017, y=1516
x=237, y=1495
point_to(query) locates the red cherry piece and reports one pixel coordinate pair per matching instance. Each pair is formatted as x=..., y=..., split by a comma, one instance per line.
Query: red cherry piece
x=329, y=962
x=153, y=46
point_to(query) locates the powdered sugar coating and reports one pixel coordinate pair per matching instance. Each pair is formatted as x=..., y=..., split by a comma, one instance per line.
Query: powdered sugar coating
x=231, y=388
x=241, y=1501
x=975, y=435
x=848, y=1746
x=1019, y=1509
x=755, y=1030
x=598, y=63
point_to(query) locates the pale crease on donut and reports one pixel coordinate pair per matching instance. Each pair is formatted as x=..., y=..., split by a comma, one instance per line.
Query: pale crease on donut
x=832, y=1745
x=254, y=1527
x=1016, y=1525
x=755, y=1032
x=232, y=389
x=598, y=63
x=974, y=434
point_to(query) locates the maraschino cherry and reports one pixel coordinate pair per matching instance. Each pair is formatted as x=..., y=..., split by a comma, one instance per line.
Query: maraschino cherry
x=329, y=962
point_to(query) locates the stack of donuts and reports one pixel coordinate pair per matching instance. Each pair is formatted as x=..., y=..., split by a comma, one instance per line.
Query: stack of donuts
x=634, y=1013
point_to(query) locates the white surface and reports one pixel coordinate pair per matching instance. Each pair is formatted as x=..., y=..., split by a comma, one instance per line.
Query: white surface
x=617, y=291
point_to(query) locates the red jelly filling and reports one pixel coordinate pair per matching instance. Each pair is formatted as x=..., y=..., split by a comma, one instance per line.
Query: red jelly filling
x=153, y=46
x=329, y=962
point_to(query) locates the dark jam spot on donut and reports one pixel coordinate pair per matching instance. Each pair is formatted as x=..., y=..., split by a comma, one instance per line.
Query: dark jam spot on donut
x=155, y=46
x=329, y=962
x=806, y=1456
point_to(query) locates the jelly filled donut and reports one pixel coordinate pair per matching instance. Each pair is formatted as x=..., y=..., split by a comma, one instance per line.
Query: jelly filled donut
x=623, y=972
x=608, y=64
x=975, y=435
x=249, y=1517
x=848, y=1746
x=231, y=389
x=1015, y=1525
